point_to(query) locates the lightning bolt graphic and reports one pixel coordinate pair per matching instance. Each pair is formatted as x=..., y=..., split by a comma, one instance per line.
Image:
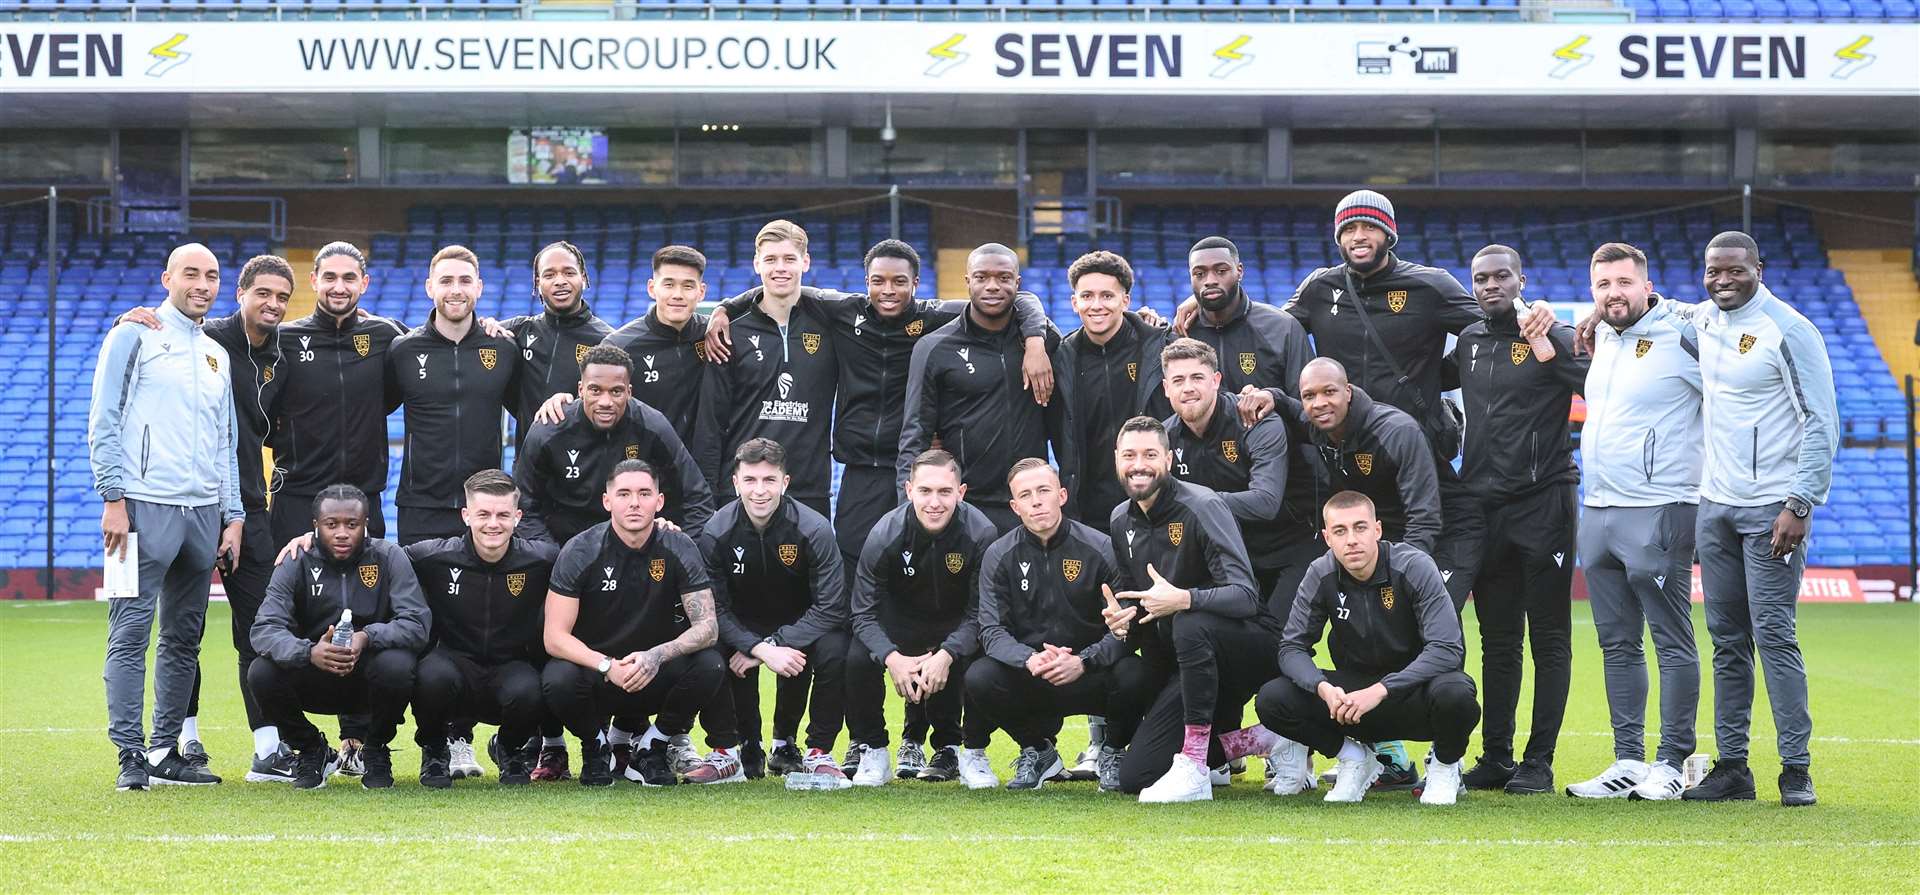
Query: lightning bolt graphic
x=166, y=56
x=1851, y=59
x=1231, y=58
x=1571, y=59
x=946, y=56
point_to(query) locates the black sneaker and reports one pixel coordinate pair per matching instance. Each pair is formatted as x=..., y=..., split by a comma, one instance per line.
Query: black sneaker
x=379, y=767
x=175, y=770
x=785, y=759
x=352, y=763
x=1035, y=767
x=196, y=754
x=595, y=769
x=312, y=767
x=1395, y=777
x=1729, y=781
x=622, y=756
x=944, y=766
x=1531, y=778
x=434, y=762
x=653, y=766
x=133, y=771
x=1488, y=773
x=753, y=760
x=275, y=768
x=1796, y=786
x=515, y=769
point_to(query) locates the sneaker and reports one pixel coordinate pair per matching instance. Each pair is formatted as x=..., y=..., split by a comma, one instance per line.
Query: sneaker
x=596, y=765
x=681, y=756
x=379, y=767
x=653, y=766
x=312, y=767
x=176, y=770
x=514, y=767
x=552, y=764
x=461, y=763
x=1395, y=777
x=943, y=766
x=1613, y=783
x=871, y=767
x=974, y=769
x=622, y=755
x=784, y=760
x=718, y=766
x=196, y=754
x=1489, y=773
x=1443, y=784
x=436, y=766
x=1663, y=782
x=820, y=763
x=1237, y=767
x=910, y=760
x=1291, y=767
x=1086, y=766
x=1221, y=776
x=1186, y=780
x=133, y=771
x=1352, y=779
x=1531, y=778
x=753, y=760
x=1796, y=786
x=1109, y=768
x=1035, y=767
x=1729, y=781
x=352, y=761
x=275, y=768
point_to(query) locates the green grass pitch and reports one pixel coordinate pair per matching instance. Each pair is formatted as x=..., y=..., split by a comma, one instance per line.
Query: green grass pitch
x=66, y=829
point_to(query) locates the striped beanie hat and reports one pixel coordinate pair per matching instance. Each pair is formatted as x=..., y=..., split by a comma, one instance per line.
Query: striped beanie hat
x=1366, y=205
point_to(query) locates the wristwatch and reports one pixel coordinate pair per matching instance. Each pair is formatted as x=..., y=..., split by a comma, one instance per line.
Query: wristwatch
x=606, y=665
x=770, y=640
x=1799, y=508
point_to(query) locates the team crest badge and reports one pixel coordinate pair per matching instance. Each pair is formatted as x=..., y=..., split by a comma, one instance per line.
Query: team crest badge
x=1746, y=343
x=956, y=562
x=917, y=327
x=1246, y=363
x=370, y=576
x=1397, y=300
x=633, y=452
x=1230, y=449
x=1386, y=598
x=1641, y=347
x=489, y=358
x=1133, y=372
x=213, y=362
x=516, y=582
x=811, y=342
x=700, y=350
x=362, y=344
x=1518, y=352
x=266, y=375
x=580, y=353
x=1070, y=570
x=789, y=554
x=1176, y=532
x=1364, y=462
x=657, y=570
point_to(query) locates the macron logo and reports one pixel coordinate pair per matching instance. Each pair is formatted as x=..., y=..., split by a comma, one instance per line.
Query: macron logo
x=963, y=354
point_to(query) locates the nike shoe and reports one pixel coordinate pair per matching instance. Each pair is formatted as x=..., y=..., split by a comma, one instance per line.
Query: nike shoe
x=379, y=767
x=1086, y=766
x=652, y=766
x=552, y=764
x=753, y=759
x=175, y=770
x=943, y=766
x=1796, y=786
x=1035, y=767
x=785, y=760
x=1729, y=781
x=1489, y=773
x=911, y=759
x=1613, y=783
x=460, y=761
x=1443, y=784
x=436, y=766
x=1291, y=766
x=820, y=763
x=1352, y=779
x=133, y=771
x=196, y=754
x=1663, y=782
x=352, y=761
x=515, y=770
x=313, y=766
x=1186, y=780
x=275, y=768
x=681, y=755
x=718, y=766
x=621, y=755
x=871, y=767
x=1395, y=777
x=596, y=765
x=1531, y=778
x=1109, y=764
x=975, y=771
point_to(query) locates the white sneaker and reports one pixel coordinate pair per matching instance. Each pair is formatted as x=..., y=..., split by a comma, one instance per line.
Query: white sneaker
x=1663, y=783
x=681, y=756
x=462, y=764
x=1443, y=784
x=1220, y=776
x=1291, y=765
x=1353, y=779
x=1087, y=766
x=975, y=771
x=1613, y=783
x=874, y=769
x=1185, y=781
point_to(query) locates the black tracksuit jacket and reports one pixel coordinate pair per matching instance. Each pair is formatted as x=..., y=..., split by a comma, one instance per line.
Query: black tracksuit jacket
x=1398, y=625
x=488, y=612
x=562, y=472
x=1519, y=437
x=330, y=416
x=453, y=394
x=669, y=375
x=307, y=593
x=1386, y=456
x=551, y=346
x=1102, y=386
x=786, y=582
x=1192, y=540
x=917, y=590
x=778, y=385
x=1034, y=592
x=255, y=389
x=964, y=387
x=1266, y=480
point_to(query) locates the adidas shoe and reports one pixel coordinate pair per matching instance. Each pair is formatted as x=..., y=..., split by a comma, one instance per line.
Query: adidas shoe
x=1663, y=782
x=1613, y=783
x=911, y=759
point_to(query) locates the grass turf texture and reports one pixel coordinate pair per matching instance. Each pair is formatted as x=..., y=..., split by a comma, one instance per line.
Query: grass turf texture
x=66, y=829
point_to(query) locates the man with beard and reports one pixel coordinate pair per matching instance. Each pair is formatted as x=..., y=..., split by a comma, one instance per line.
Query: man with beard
x=553, y=342
x=963, y=388
x=1261, y=346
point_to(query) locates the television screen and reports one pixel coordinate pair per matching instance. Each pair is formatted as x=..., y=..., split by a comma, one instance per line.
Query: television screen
x=557, y=155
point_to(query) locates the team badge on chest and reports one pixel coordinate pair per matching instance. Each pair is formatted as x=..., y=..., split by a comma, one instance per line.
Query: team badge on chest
x=1641, y=347
x=580, y=353
x=1518, y=352
x=657, y=570
x=1070, y=570
x=489, y=358
x=369, y=576
x=1230, y=449
x=1247, y=363
x=1386, y=598
x=956, y=562
x=789, y=554
x=915, y=328
x=1397, y=300
x=1364, y=463
x=362, y=344
x=1176, y=532
x=516, y=582
x=1746, y=343
x=811, y=342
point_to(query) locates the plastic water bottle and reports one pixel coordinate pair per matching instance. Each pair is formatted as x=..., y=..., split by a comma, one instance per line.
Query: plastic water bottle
x=816, y=782
x=1543, y=349
x=343, y=632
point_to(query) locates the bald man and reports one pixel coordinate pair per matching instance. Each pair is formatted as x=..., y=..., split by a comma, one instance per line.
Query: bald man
x=160, y=435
